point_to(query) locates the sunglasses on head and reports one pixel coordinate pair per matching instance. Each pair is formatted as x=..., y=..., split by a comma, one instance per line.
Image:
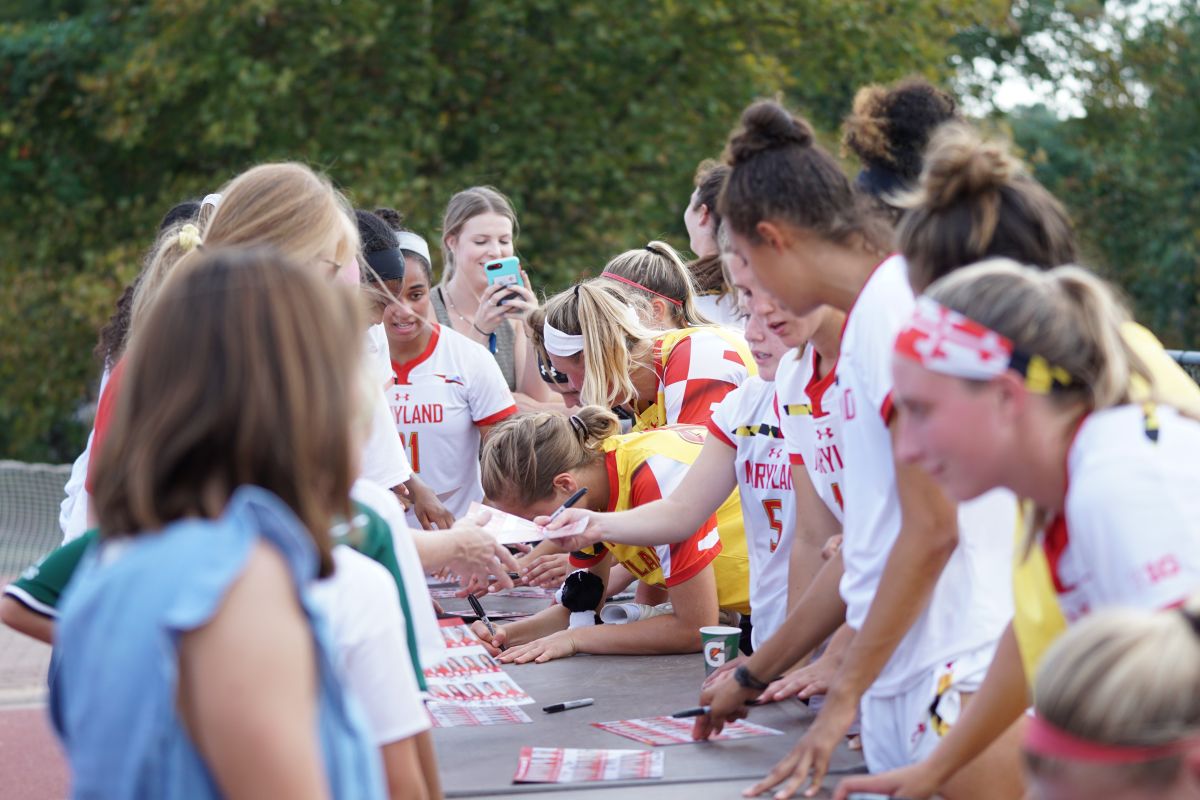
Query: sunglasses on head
x=550, y=374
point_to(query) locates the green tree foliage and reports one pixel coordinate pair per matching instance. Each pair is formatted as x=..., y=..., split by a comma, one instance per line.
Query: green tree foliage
x=591, y=115
x=1130, y=168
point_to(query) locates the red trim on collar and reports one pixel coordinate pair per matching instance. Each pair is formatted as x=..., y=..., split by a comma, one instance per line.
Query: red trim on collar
x=401, y=372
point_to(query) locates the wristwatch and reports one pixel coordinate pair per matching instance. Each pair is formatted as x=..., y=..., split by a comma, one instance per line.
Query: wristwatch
x=748, y=681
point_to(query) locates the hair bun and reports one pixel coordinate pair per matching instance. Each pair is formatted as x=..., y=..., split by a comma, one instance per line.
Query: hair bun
x=766, y=125
x=961, y=164
x=391, y=216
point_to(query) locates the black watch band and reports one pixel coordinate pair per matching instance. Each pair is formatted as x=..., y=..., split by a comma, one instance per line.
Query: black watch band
x=748, y=681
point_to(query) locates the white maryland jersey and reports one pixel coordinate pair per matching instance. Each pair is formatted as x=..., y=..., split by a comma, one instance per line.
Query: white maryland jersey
x=1131, y=532
x=808, y=416
x=972, y=599
x=439, y=400
x=746, y=421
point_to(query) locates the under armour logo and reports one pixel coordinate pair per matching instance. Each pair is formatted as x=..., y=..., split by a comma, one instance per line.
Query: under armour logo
x=824, y=433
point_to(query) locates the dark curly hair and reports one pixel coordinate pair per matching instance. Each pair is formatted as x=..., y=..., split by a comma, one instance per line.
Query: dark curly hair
x=889, y=126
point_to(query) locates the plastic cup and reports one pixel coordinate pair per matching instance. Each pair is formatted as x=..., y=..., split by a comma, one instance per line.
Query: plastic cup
x=719, y=644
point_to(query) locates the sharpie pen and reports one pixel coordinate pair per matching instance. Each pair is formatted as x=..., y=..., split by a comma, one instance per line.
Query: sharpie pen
x=477, y=607
x=568, y=705
x=700, y=711
x=570, y=501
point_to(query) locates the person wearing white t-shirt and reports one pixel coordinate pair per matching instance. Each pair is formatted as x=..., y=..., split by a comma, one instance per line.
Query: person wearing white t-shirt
x=1011, y=377
x=924, y=585
x=361, y=603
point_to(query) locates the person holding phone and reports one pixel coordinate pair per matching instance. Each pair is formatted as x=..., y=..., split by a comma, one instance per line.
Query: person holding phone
x=480, y=227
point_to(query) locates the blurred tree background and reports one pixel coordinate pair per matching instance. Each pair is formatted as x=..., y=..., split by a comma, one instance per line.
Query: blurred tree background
x=590, y=114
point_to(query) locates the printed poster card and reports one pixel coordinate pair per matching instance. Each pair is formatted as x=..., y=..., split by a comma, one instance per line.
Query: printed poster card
x=658, y=731
x=451, y=715
x=511, y=529
x=574, y=765
x=468, y=675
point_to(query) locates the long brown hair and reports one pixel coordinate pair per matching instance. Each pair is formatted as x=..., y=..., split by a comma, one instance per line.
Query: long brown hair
x=238, y=376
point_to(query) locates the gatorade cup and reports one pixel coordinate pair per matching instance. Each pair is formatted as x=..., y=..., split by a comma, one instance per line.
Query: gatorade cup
x=719, y=643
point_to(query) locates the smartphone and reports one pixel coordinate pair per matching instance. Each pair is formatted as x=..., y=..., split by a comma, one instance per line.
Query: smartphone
x=506, y=272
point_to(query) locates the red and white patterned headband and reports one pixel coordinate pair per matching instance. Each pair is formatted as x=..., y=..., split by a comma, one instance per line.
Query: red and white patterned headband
x=946, y=341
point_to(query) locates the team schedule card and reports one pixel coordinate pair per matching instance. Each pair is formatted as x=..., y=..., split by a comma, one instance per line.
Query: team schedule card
x=573, y=765
x=658, y=731
x=452, y=715
x=468, y=676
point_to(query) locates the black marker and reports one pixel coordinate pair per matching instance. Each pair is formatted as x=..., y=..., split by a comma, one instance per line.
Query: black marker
x=570, y=501
x=483, y=617
x=568, y=705
x=700, y=711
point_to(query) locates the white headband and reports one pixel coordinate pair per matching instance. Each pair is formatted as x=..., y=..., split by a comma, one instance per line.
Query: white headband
x=414, y=243
x=213, y=200
x=561, y=344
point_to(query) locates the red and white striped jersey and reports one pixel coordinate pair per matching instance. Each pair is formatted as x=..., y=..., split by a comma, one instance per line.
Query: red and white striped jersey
x=696, y=368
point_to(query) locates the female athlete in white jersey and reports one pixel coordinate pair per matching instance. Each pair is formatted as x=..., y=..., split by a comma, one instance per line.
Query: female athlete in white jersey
x=446, y=391
x=919, y=645
x=1010, y=377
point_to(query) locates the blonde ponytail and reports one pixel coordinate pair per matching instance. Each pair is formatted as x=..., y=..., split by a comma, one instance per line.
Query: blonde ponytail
x=173, y=245
x=1124, y=678
x=523, y=454
x=656, y=270
x=611, y=330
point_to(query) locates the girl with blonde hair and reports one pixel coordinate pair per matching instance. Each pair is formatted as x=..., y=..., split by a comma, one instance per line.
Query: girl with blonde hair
x=1038, y=365
x=1116, y=711
x=479, y=226
x=658, y=275
x=532, y=462
x=612, y=358
x=297, y=211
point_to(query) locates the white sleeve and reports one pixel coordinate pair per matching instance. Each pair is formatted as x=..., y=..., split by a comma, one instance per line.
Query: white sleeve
x=376, y=662
x=791, y=400
x=1130, y=541
x=487, y=391
x=431, y=647
x=383, y=459
x=72, y=514
x=891, y=305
